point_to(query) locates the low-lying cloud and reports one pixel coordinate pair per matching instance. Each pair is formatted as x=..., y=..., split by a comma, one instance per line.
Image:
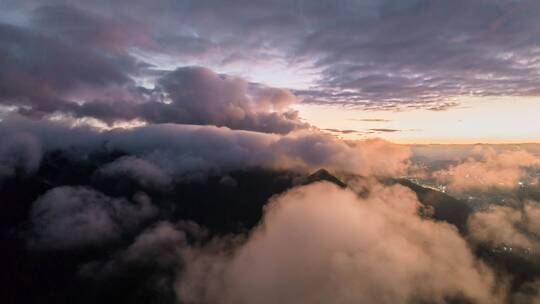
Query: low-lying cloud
x=69, y=217
x=517, y=226
x=20, y=153
x=143, y=172
x=321, y=243
x=489, y=169
x=181, y=151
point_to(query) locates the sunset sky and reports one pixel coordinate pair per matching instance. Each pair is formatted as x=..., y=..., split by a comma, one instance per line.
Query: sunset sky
x=413, y=71
x=475, y=120
x=270, y=151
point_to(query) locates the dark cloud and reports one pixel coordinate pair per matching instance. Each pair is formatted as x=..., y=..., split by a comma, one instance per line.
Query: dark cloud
x=200, y=96
x=197, y=95
x=385, y=130
x=371, y=120
x=430, y=50
x=141, y=171
x=87, y=28
x=20, y=153
x=80, y=62
x=342, y=131
x=69, y=217
x=388, y=130
x=79, y=66
x=39, y=73
x=159, y=245
x=379, y=54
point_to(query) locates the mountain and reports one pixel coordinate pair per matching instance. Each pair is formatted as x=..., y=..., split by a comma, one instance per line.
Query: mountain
x=445, y=207
x=229, y=203
x=321, y=175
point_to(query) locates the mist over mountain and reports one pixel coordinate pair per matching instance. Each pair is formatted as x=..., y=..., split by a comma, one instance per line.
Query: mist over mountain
x=217, y=205
x=263, y=152
x=116, y=238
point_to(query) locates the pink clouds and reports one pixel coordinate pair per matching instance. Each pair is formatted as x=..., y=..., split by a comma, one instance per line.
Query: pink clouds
x=323, y=244
x=490, y=169
x=516, y=227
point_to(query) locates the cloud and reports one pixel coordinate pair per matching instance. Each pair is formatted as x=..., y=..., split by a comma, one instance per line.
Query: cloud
x=197, y=95
x=139, y=170
x=396, y=63
x=490, y=169
x=89, y=28
x=20, y=153
x=159, y=246
x=371, y=120
x=161, y=243
x=528, y=294
x=181, y=151
x=368, y=157
x=321, y=243
x=510, y=226
x=68, y=217
x=410, y=54
x=151, y=262
x=89, y=70
x=43, y=74
x=81, y=83
x=342, y=131
x=200, y=96
x=385, y=130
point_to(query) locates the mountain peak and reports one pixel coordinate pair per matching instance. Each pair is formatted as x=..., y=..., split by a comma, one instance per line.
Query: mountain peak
x=322, y=175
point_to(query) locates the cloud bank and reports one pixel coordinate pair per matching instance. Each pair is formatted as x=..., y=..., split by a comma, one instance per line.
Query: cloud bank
x=378, y=54
x=321, y=243
x=510, y=226
x=163, y=151
x=489, y=169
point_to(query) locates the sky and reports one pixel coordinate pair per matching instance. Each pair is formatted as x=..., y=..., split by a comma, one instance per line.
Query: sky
x=476, y=120
x=211, y=151
x=411, y=71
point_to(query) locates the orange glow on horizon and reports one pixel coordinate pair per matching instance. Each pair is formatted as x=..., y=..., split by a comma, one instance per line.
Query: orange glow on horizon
x=498, y=120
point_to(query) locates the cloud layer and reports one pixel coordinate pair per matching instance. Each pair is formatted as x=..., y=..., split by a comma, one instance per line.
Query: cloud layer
x=510, y=226
x=212, y=90
x=489, y=169
x=380, y=54
x=163, y=151
x=321, y=243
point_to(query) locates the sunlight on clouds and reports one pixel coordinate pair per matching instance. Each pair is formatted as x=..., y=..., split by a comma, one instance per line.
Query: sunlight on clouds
x=98, y=124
